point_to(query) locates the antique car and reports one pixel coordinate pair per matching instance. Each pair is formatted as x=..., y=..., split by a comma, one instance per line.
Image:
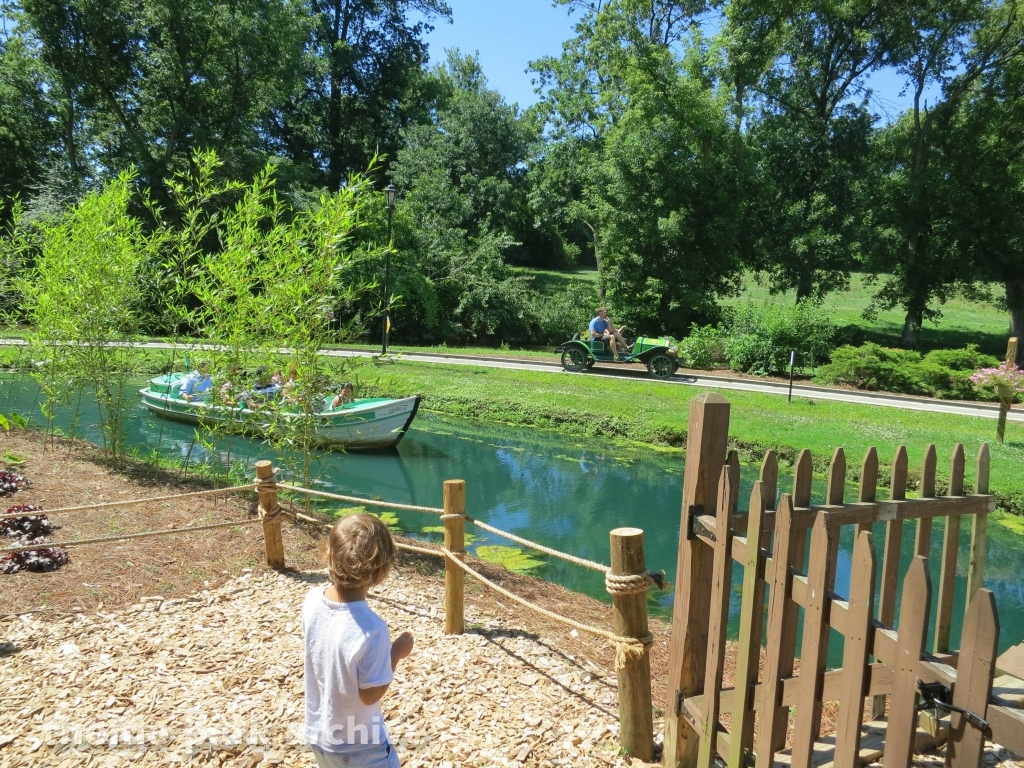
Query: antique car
x=659, y=355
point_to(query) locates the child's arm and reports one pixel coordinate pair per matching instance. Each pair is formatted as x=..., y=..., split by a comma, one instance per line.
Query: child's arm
x=401, y=648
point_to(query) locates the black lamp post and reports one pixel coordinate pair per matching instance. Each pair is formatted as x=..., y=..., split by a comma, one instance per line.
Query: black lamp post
x=390, y=193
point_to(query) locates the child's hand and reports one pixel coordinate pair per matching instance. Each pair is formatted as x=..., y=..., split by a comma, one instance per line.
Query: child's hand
x=400, y=648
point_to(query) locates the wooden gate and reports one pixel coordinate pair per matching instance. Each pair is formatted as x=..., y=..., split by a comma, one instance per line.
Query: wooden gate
x=885, y=668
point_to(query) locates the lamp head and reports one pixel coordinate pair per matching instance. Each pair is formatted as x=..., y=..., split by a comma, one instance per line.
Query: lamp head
x=390, y=194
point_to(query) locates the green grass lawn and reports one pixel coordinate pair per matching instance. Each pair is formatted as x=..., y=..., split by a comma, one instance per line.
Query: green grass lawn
x=962, y=322
x=650, y=412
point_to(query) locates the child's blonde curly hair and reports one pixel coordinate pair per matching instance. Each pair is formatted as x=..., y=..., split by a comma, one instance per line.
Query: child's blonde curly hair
x=359, y=552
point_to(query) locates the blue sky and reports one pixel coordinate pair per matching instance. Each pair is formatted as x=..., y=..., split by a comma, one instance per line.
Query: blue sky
x=509, y=35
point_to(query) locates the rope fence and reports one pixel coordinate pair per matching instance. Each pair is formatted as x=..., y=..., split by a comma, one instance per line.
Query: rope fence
x=128, y=536
x=356, y=499
x=130, y=502
x=627, y=590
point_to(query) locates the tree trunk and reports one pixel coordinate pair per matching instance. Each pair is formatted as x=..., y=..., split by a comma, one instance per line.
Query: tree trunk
x=597, y=261
x=1015, y=304
x=911, y=326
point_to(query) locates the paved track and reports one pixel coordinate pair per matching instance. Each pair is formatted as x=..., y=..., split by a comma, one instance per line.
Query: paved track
x=637, y=373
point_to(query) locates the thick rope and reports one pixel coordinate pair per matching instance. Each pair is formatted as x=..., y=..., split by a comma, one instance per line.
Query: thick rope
x=633, y=584
x=128, y=502
x=540, y=547
x=356, y=499
x=628, y=650
x=127, y=536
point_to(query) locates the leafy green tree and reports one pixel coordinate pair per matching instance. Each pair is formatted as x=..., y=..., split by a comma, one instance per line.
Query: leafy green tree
x=672, y=202
x=159, y=78
x=29, y=139
x=363, y=84
x=82, y=300
x=955, y=47
x=798, y=77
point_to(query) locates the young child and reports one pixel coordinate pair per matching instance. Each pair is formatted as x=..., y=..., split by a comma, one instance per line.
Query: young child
x=350, y=660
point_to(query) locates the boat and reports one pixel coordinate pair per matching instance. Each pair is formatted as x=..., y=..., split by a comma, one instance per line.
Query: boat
x=370, y=423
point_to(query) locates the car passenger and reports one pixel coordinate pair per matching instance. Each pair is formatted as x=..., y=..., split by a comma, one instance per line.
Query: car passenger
x=602, y=329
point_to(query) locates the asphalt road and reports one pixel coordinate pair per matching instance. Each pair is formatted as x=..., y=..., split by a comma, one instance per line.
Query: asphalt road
x=638, y=373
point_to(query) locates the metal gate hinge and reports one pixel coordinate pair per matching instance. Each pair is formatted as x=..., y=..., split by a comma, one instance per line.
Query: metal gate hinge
x=693, y=527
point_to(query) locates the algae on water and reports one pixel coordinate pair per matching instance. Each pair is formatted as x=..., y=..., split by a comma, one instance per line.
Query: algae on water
x=512, y=558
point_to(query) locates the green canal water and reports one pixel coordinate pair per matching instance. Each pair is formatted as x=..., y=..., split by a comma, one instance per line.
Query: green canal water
x=562, y=491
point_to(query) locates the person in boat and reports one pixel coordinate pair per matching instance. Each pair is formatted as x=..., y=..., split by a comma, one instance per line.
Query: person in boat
x=196, y=383
x=345, y=395
x=289, y=385
x=604, y=330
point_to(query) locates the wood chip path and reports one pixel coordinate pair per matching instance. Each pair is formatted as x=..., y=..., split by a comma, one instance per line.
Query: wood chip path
x=216, y=679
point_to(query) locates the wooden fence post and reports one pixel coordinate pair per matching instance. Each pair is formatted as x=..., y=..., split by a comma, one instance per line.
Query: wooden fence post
x=706, y=440
x=636, y=718
x=454, y=542
x=975, y=670
x=272, y=541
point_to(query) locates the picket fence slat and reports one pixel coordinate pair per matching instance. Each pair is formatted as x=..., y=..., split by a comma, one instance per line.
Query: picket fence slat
x=856, y=677
x=814, y=649
x=913, y=628
x=748, y=653
x=721, y=581
x=891, y=559
x=975, y=671
x=923, y=535
x=803, y=476
x=950, y=549
x=979, y=527
x=781, y=613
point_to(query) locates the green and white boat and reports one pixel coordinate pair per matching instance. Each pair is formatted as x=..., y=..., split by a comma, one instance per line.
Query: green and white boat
x=371, y=423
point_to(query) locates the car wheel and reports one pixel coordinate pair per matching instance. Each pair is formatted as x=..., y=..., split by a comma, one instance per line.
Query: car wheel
x=574, y=359
x=661, y=366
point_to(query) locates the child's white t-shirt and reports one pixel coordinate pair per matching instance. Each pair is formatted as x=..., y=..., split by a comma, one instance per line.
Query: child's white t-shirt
x=348, y=647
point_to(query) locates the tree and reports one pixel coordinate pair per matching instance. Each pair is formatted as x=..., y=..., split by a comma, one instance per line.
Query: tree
x=29, y=140
x=464, y=213
x=364, y=84
x=955, y=45
x=160, y=77
x=804, y=70
x=984, y=153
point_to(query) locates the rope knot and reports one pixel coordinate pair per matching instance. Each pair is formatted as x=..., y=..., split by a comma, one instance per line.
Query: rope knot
x=630, y=650
x=452, y=517
x=633, y=584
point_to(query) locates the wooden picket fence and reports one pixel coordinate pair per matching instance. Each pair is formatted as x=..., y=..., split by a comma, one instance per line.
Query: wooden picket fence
x=885, y=668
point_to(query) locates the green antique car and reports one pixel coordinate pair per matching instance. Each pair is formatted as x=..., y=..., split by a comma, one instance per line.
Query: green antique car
x=659, y=355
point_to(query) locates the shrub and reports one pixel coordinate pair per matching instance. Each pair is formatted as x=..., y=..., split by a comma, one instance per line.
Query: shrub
x=703, y=347
x=942, y=373
x=759, y=336
x=565, y=312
